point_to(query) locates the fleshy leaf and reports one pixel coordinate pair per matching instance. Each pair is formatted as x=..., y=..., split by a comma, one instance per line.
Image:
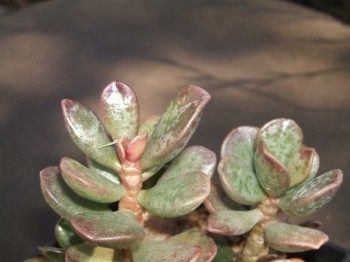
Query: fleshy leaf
x=314, y=167
x=283, y=138
x=176, y=194
x=88, y=252
x=308, y=197
x=240, y=142
x=225, y=252
x=102, y=170
x=62, y=199
x=115, y=229
x=195, y=237
x=175, y=127
x=271, y=173
x=230, y=222
x=239, y=181
x=53, y=254
x=88, y=184
x=300, y=165
x=291, y=238
x=148, y=125
x=119, y=110
x=167, y=250
x=136, y=147
x=88, y=133
x=65, y=234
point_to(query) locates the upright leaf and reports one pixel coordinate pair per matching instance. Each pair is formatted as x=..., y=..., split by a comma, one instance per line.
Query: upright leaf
x=148, y=125
x=120, y=110
x=65, y=234
x=175, y=127
x=300, y=165
x=90, y=253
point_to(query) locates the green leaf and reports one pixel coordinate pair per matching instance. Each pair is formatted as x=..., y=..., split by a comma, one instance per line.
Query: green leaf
x=225, y=252
x=285, y=237
x=175, y=127
x=148, y=125
x=310, y=196
x=166, y=250
x=195, y=237
x=273, y=176
x=115, y=230
x=102, y=170
x=230, y=222
x=88, y=184
x=240, y=142
x=62, y=199
x=283, y=138
x=53, y=254
x=176, y=194
x=88, y=134
x=120, y=110
x=240, y=182
x=65, y=234
x=300, y=165
x=90, y=253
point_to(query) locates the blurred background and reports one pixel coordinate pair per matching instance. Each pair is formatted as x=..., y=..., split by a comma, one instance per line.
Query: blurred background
x=259, y=60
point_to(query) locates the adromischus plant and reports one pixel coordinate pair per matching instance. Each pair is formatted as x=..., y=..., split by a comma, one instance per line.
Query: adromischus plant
x=271, y=170
x=121, y=156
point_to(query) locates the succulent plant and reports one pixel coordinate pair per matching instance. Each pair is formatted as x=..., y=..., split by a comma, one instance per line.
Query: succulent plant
x=127, y=164
x=270, y=170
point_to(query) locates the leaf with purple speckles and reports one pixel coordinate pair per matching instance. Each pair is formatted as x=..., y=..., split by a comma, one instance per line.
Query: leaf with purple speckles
x=230, y=222
x=273, y=176
x=115, y=230
x=300, y=165
x=175, y=127
x=310, y=196
x=88, y=252
x=285, y=237
x=88, y=184
x=282, y=137
x=167, y=250
x=119, y=110
x=52, y=253
x=65, y=235
x=88, y=133
x=239, y=181
x=62, y=199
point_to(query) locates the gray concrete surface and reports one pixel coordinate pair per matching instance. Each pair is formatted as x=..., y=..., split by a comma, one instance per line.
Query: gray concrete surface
x=259, y=60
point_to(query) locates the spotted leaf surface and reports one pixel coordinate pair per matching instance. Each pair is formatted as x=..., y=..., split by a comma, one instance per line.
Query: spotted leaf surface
x=88, y=184
x=53, y=254
x=239, y=181
x=65, y=234
x=88, y=133
x=273, y=176
x=310, y=196
x=103, y=171
x=282, y=137
x=167, y=250
x=115, y=230
x=300, y=165
x=175, y=127
x=62, y=199
x=291, y=238
x=148, y=125
x=195, y=237
x=90, y=253
x=176, y=194
x=230, y=222
x=120, y=110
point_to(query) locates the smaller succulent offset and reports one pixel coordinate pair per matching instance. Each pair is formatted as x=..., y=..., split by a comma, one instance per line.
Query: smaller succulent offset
x=121, y=156
x=271, y=170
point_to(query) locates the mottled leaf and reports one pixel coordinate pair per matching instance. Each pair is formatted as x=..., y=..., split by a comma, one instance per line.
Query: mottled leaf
x=53, y=254
x=88, y=184
x=285, y=237
x=283, y=138
x=176, y=194
x=167, y=250
x=65, y=235
x=175, y=127
x=230, y=222
x=62, y=199
x=308, y=197
x=119, y=110
x=300, y=165
x=115, y=229
x=102, y=170
x=148, y=125
x=271, y=173
x=240, y=142
x=90, y=253
x=88, y=133
x=239, y=182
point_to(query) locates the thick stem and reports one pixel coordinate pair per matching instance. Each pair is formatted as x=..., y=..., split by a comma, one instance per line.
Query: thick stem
x=126, y=255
